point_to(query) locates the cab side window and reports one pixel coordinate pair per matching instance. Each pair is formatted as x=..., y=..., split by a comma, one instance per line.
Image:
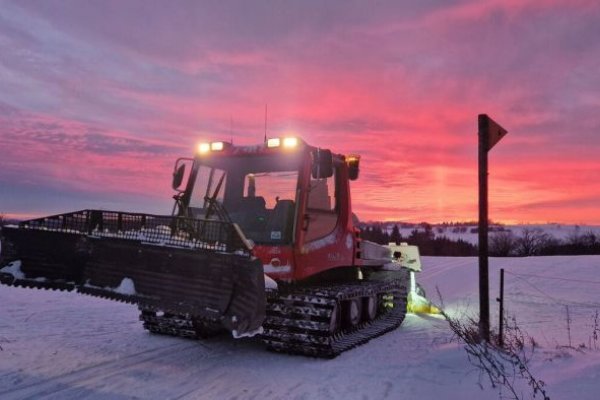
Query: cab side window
x=322, y=207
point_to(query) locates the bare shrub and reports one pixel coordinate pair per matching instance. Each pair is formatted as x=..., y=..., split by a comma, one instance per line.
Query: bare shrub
x=502, y=366
x=502, y=244
x=531, y=241
x=579, y=239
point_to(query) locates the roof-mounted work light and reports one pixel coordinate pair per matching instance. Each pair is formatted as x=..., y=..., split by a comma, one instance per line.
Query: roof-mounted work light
x=203, y=148
x=217, y=146
x=273, y=142
x=290, y=142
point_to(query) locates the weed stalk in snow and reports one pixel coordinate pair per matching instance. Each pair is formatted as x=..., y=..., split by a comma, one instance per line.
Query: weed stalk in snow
x=569, y=326
x=501, y=365
x=595, y=331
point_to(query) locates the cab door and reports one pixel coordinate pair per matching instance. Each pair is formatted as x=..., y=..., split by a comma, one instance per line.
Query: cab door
x=325, y=241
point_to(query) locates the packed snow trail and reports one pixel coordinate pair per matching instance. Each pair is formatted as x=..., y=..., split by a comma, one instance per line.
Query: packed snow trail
x=58, y=345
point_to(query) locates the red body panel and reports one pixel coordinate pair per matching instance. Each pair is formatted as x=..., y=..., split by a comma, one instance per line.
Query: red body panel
x=306, y=258
x=278, y=261
x=335, y=247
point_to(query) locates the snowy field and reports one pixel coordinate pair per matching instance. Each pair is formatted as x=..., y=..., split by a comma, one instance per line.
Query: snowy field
x=67, y=346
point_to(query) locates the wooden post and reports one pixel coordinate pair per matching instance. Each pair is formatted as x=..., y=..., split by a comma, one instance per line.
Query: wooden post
x=501, y=311
x=489, y=133
x=484, y=300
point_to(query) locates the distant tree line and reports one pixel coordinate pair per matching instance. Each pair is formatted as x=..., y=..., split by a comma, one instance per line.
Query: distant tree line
x=536, y=242
x=429, y=244
x=502, y=241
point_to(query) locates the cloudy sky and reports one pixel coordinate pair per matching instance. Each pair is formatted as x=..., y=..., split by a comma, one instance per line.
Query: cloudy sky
x=98, y=98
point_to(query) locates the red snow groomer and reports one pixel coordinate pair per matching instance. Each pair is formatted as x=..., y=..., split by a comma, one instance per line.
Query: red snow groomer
x=279, y=213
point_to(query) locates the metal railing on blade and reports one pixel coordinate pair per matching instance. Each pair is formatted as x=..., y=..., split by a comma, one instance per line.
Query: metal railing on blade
x=152, y=229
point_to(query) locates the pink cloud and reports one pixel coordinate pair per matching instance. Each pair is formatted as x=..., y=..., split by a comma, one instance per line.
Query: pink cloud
x=101, y=108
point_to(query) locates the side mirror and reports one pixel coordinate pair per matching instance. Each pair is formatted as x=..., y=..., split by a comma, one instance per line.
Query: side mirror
x=353, y=162
x=322, y=166
x=178, y=176
x=179, y=173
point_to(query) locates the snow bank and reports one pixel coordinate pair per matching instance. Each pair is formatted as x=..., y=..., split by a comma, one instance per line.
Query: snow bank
x=14, y=268
x=270, y=284
x=249, y=334
x=161, y=236
x=126, y=287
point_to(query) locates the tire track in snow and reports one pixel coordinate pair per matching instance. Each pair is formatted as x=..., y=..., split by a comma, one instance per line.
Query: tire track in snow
x=438, y=268
x=430, y=272
x=96, y=373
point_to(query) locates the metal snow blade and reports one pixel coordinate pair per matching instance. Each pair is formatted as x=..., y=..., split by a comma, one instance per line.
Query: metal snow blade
x=201, y=268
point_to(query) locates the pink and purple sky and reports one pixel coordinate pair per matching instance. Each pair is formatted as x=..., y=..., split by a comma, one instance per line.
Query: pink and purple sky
x=98, y=98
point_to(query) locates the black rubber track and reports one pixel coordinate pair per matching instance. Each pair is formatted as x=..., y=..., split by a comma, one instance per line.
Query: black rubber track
x=298, y=321
x=179, y=325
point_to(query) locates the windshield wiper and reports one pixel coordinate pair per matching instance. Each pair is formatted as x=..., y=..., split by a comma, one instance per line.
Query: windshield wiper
x=214, y=205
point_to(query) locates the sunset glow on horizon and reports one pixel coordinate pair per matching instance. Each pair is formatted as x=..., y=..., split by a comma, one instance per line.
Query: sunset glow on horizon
x=99, y=98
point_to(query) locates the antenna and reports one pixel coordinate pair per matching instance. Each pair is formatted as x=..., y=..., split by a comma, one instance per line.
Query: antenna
x=231, y=128
x=265, y=123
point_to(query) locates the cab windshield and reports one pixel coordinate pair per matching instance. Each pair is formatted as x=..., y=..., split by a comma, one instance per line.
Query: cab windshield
x=258, y=192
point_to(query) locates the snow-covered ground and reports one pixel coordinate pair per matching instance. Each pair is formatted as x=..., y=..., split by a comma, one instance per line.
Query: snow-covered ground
x=67, y=346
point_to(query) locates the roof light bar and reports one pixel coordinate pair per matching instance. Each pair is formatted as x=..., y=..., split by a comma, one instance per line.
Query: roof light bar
x=290, y=142
x=273, y=142
x=205, y=148
x=217, y=146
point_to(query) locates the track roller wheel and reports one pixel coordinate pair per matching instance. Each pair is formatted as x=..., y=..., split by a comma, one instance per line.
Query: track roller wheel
x=206, y=329
x=352, y=312
x=335, y=319
x=369, y=307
